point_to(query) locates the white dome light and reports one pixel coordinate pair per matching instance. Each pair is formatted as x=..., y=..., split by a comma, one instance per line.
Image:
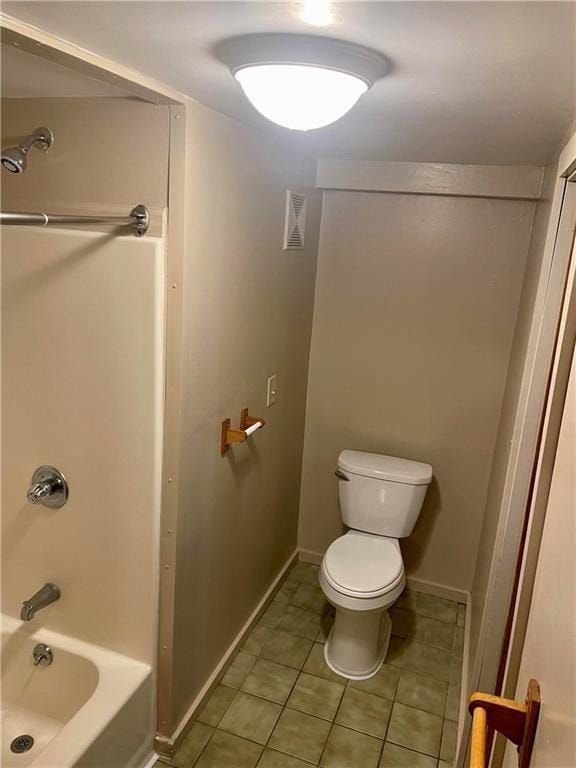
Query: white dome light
x=300, y=97
x=298, y=81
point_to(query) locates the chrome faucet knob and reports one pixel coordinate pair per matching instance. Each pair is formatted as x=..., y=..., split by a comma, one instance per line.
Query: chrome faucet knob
x=48, y=487
x=38, y=492
x=42, y=655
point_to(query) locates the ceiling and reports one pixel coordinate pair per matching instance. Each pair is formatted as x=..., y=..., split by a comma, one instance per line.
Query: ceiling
x=472, y=82
x=27, y=76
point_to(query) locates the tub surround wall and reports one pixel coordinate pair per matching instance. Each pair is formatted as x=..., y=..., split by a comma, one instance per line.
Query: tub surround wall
x=82, y=389
x=416, y=300
x=247, y=315
x=81, y=408
x=71, y=398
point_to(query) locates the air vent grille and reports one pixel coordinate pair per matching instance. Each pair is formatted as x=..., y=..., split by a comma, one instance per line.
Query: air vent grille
x=295, y=228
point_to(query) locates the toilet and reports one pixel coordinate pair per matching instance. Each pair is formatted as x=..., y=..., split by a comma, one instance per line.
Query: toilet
x=362, y=572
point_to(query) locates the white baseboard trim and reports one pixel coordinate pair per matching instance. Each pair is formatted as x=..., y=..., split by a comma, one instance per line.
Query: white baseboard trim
x=461, y=748
x=150, y=760
x=420, y=585
x=438, y=590
x=214, y=677
x=307, y=556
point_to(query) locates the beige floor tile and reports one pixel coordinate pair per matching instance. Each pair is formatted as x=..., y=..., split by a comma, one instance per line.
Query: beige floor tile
x=327, y=624
x=300, y=735
x=216, y=705
x=403, y=622
x=350, y=749
x=272, y=759
x=250, y=717
x=384, y=683
x=224, y=749
x=396, y=651
x=287, y=649
x=437, y=608
x=237, y=671
x=407, y=600
x=272, y=615
x=415, y=729
x=256, y=639
x=270, y=680
x=449, y=736
x=364, y=712
x=422, y=628
x=458, y=645
x=456, y=671
x=453, y=703
x=299, y=622
x=394, y=756
x=422, y=692
x=193, y=744
x=316, y=696
x=310, y=597
x=315, y=665
x=461, y=618
x=428, y=660
x=286, y=592
x=305, y=572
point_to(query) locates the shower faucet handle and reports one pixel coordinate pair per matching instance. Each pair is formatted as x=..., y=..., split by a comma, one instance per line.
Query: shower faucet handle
x=48, y=487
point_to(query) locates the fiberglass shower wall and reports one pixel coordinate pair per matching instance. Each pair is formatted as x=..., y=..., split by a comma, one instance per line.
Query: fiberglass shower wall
x=82, y=370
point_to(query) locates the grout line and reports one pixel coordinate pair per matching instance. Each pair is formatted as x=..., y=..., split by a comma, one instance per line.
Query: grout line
x=300, y=671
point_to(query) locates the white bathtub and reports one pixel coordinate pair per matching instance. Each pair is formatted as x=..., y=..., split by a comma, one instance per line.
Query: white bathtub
x=91, y=708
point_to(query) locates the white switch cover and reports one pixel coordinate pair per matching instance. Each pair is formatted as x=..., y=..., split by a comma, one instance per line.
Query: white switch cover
x=271, y=391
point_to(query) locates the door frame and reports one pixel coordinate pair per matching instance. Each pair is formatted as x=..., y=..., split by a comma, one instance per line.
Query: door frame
x=514, y=556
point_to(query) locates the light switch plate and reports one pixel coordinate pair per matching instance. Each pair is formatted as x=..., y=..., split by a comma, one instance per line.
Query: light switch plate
x=271, y=391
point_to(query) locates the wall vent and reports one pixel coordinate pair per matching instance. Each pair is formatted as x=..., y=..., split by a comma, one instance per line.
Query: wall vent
x=295, y=227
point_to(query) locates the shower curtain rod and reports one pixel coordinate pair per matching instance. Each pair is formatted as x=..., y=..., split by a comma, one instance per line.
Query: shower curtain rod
x=138, y=219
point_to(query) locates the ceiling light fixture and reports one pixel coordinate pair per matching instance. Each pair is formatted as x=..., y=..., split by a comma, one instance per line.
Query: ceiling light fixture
x=301, y=82
x=317, y=13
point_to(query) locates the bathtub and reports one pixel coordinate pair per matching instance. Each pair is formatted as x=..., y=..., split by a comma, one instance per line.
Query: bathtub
x=91, y=708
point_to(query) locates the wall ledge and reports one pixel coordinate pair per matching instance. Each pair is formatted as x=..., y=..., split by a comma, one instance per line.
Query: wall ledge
x=514, y=182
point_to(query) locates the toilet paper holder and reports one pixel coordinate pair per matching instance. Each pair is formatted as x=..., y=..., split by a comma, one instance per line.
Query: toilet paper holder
x=248, y=425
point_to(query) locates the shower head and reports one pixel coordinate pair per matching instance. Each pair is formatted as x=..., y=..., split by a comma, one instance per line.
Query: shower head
x=14, y=158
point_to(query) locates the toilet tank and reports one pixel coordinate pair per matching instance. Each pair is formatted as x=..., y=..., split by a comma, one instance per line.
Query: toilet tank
x=381, y=494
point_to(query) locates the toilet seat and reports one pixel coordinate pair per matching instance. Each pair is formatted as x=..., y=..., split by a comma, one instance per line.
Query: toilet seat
x=362, y=565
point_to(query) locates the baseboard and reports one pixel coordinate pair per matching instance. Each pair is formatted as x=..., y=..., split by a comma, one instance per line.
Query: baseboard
x=438, y=590
x=463, y=713
x=150, y=761
x=307, y=556
x=167, y=746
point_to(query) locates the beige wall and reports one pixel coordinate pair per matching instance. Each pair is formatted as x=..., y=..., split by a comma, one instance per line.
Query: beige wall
x=500, y=462
x=548, y=653
x=416, y=301
x=247, y=315
x=108, y=155
x=82, y=371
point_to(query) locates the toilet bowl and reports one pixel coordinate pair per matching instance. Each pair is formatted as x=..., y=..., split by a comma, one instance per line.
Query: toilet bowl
x=362, y=573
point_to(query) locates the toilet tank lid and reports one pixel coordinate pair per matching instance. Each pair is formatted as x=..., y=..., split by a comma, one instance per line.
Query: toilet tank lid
x=385, y=467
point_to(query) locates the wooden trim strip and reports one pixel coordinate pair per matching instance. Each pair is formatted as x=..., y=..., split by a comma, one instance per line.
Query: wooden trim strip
x=496, y=181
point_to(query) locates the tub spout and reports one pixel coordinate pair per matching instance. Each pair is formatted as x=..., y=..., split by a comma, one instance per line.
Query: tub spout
x=45, y=596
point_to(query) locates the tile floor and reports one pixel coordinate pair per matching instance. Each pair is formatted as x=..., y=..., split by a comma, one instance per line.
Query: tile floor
x=279, y=706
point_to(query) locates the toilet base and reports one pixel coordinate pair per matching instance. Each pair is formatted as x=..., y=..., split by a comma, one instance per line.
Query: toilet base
x=358, y=643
